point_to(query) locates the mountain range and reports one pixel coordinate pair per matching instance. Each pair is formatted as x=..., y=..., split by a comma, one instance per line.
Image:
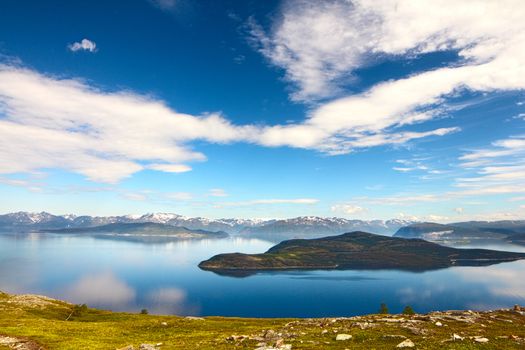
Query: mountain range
x=273, y=230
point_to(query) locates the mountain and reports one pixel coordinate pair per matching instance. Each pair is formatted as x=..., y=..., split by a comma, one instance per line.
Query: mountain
x=355, y=250
x=471, y=230
x=143, y=232
x=315, y=227
x=273, y=230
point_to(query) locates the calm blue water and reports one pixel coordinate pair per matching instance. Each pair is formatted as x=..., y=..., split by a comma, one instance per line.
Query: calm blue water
x=164, y=278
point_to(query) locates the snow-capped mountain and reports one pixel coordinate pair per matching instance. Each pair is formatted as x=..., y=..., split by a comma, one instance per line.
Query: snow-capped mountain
x=300, y=227
x=314, y=226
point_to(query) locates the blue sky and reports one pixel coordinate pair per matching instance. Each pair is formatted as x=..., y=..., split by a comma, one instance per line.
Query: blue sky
x=264, y=108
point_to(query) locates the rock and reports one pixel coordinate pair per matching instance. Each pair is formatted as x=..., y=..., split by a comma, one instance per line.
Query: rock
x=456, y=337
x=129, y=347
x=237, y=337
x=324, y=331
x=164, y=324
x=481, y=340
x=343, y=337
x=407, y=343
x=147, y=347
x=193, y=318
x=439, y=324
x=394, y=336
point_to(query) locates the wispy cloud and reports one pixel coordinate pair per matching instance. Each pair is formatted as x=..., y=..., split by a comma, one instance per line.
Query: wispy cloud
x=302, y=201
x=218, y=192
x=83, y=45
x=347, y=209
x=165, y=5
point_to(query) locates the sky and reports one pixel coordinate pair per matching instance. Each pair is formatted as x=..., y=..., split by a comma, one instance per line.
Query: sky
x=264, y=109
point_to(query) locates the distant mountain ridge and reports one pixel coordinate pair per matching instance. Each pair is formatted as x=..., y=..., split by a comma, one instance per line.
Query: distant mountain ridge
x=508, y=230
x=275, y=230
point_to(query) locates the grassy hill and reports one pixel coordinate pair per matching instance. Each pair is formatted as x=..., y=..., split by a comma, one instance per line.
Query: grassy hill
x=35, y=322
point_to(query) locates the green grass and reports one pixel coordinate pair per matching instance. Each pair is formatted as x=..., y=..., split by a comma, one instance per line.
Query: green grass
x=96, y=329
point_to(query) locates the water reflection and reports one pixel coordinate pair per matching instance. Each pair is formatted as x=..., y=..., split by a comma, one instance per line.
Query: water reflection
x=105, y=290
x=164, y=278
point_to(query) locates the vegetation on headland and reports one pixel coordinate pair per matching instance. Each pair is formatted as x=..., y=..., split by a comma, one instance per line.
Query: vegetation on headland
x=33, y=322
x=355, y=250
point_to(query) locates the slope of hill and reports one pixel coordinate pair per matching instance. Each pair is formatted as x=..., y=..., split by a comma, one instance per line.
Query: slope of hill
x=356, y=250
x=37, y=322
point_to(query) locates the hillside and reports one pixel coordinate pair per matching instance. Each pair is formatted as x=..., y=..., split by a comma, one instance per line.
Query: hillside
x=29, y=322
x=356, y=250
x=142, y=231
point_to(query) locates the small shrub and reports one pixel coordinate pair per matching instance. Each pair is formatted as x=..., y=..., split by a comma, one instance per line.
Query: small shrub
x=79, y=310
x=144, y=311
x=408, y=310
x=383, y=309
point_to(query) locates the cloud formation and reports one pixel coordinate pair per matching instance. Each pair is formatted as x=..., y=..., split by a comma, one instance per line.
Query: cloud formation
x=48, y=122
x=319, y=44
x=83, y=45
x=106, y=136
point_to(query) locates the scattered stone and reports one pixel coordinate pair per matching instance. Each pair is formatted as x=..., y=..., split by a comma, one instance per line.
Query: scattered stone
x=343, y=337
x=18, y=344
x=394, y=336
x=481, y=340
x=147, y=347
x=439, y=324
x=324, y=331
x=407, y=343
x=129, y=347
x=193, y=318
x=237, y=337
x=456, y=337
x=164, y=324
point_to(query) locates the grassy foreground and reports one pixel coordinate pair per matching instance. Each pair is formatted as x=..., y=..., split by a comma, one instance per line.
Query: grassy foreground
x=33, y=322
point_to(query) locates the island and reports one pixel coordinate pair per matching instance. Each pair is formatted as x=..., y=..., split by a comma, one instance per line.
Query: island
x=355, y=250
x=144, y=232
x=510, y=231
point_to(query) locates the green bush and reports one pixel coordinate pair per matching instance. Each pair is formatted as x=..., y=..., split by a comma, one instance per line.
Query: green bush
x=408, y=310
x=144, y=311
x=383, y=309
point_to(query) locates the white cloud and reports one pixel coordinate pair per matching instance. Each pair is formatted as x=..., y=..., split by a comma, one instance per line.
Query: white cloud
x=321, y=43
x=170, y=168
x=459, y=210
x=49, y=122
x=83, y=45
x=217, y=192
x=348, y=209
